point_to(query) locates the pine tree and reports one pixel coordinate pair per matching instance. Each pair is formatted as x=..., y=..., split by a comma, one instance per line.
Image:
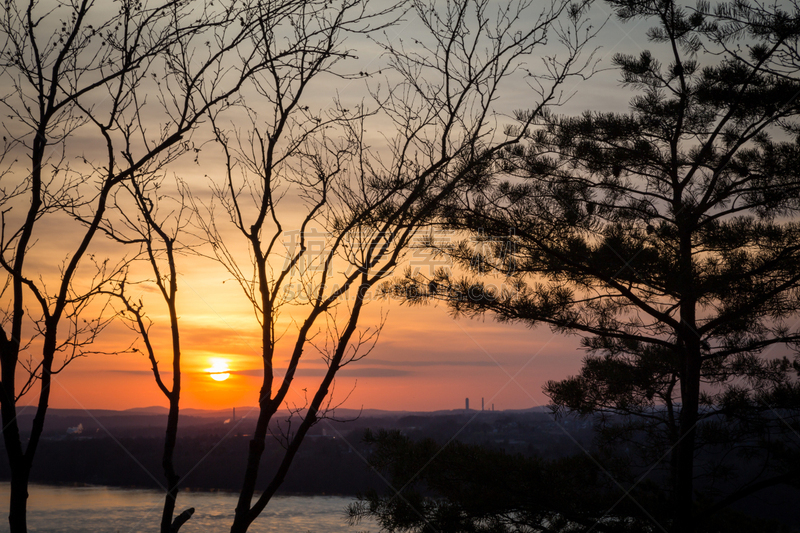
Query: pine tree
x=668, y=238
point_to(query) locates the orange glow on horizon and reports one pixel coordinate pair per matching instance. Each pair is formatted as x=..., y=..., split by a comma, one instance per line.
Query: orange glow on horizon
x=423, y=350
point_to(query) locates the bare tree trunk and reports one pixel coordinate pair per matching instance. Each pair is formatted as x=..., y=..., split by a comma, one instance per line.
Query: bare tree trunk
x=19, y=457
x=18, y=504
x=267, y=408
x=241, y=519
x=168, y=287
x=20, y=470
x=246, y=515
x=168, y=464
x=19, y=474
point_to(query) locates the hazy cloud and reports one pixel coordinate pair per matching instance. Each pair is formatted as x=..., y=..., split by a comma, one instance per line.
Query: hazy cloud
x=354, y=372
x=386, y=362
x=131, y=372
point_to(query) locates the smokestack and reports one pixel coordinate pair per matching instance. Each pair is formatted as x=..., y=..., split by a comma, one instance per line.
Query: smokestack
x=234, y=415
x=467, y=404
x=481, y=404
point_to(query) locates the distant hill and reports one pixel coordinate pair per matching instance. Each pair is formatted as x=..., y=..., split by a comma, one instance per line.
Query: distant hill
x=250, y=411
x=151, y=421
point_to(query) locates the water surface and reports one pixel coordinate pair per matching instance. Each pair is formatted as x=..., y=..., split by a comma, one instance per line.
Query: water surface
x=115, y=510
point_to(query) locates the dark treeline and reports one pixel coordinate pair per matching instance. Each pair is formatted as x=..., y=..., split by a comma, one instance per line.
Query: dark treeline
x=121, y=450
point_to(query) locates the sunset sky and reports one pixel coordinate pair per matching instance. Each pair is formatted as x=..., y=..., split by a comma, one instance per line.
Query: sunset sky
x=425, y=359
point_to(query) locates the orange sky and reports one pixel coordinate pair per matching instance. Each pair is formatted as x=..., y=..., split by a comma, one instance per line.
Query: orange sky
x=425, y=359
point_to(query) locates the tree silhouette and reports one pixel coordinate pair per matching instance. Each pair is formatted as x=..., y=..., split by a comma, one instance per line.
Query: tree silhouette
x=324, y=216
x=104, y=101
x=81, y=84
x=668, y=238
x=157, y=236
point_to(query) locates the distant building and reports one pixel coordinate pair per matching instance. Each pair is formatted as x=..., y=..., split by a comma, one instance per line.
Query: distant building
x=467, y=405
x=481, y=404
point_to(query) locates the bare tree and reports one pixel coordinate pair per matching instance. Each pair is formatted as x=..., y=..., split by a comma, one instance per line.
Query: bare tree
x=350, y=213
x=93, y=94
x=143, y=224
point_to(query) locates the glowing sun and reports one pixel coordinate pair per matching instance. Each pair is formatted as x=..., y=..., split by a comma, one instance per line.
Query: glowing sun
x=219, y=370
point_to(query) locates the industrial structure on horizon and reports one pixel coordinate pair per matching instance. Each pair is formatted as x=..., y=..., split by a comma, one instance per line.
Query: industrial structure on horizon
x=483, y=404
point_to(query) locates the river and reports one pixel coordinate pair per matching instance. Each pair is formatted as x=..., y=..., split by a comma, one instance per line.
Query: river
x=115, y=510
